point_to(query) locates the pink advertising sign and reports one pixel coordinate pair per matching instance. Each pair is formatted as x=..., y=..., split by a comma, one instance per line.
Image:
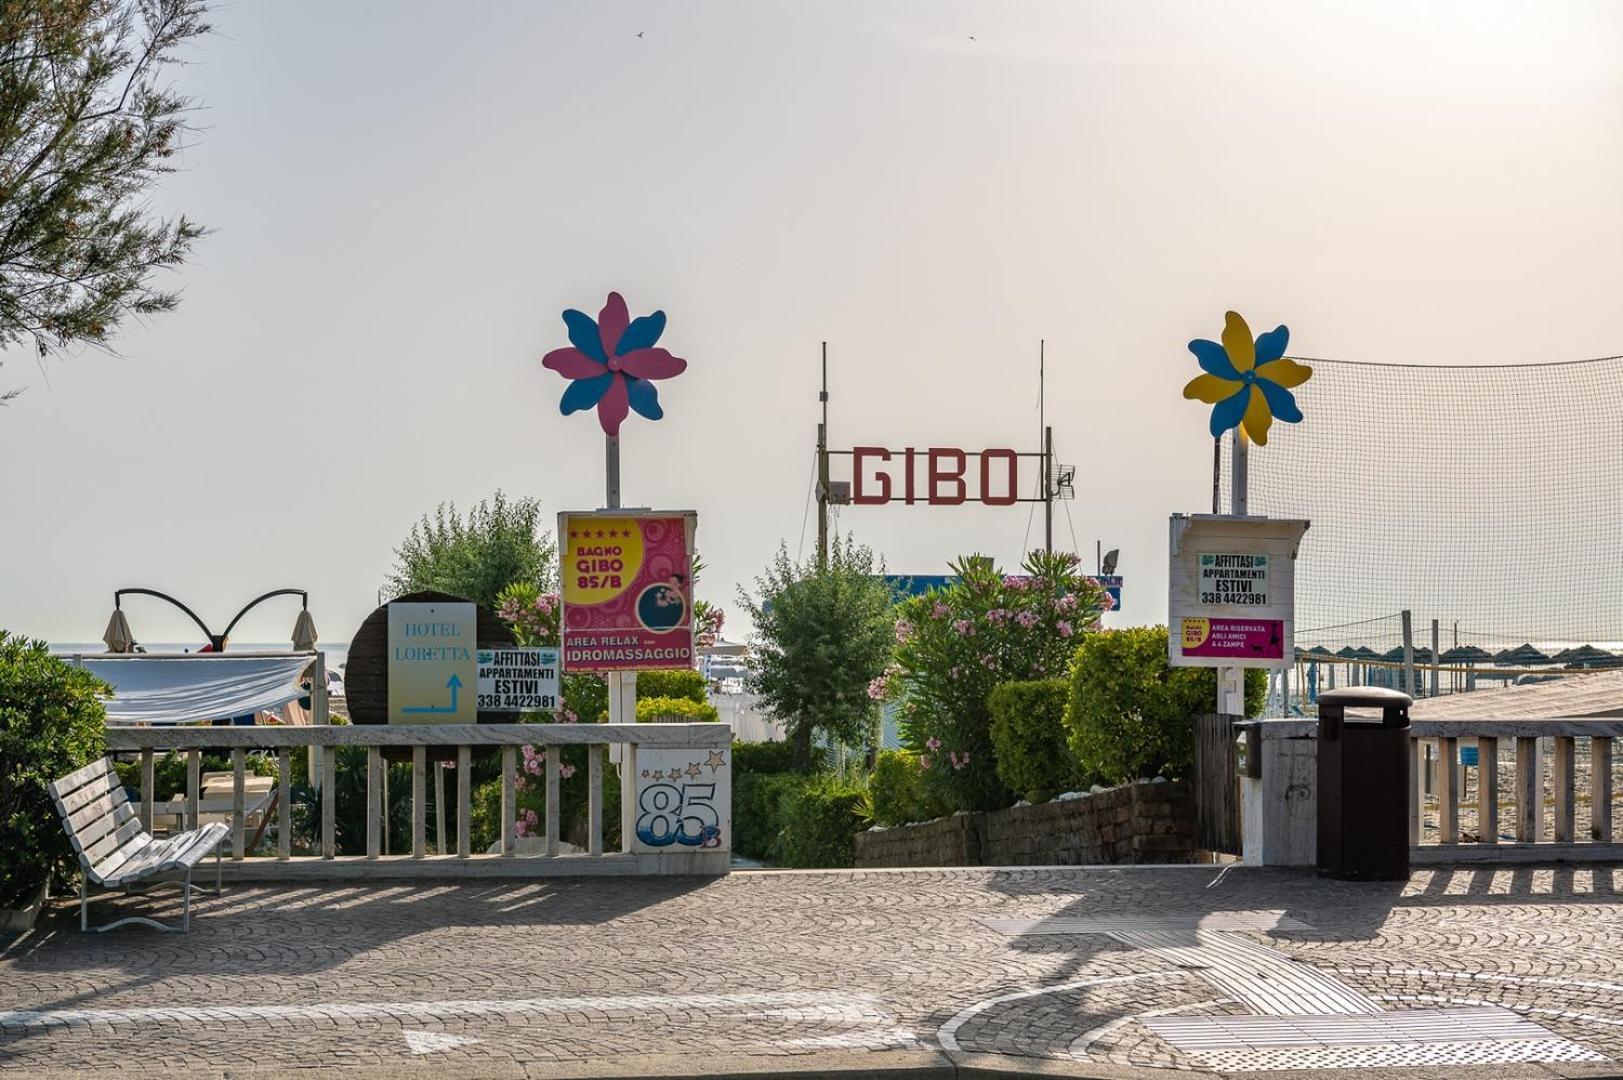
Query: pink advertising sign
x=1234, y=639
x=627, y=590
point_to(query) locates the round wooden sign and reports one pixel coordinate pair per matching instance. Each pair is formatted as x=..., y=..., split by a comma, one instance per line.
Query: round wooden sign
x=366, y=671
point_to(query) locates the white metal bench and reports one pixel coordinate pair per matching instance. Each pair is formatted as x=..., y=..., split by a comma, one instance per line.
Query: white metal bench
x=115, y=852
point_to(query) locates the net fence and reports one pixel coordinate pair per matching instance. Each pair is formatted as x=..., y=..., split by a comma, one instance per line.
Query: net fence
x=1489, y=499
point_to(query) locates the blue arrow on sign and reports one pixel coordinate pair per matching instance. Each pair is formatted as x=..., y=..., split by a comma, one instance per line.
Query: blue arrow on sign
x=453, y=684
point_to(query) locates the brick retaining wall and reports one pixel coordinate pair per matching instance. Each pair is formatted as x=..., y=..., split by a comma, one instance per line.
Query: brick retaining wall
x=1143, y=822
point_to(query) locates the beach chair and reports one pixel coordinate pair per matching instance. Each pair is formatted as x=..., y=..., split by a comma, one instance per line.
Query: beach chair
x=115, y=852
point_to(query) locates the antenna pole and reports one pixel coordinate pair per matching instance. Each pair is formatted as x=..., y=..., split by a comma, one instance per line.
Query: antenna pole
x=822, y=468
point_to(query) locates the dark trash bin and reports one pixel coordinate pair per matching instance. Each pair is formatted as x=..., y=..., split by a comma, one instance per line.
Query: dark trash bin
x=1363, y=829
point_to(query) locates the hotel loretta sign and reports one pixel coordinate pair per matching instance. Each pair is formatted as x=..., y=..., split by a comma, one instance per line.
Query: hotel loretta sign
x=627, y=590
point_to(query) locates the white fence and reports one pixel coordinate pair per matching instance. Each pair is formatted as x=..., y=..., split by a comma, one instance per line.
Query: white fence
x=672, y=822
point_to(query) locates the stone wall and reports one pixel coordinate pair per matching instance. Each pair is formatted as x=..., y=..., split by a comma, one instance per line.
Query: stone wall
x=1143, y=822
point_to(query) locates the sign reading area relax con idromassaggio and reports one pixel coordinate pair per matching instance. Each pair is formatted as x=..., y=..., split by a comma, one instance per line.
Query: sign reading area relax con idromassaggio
x=627, y=590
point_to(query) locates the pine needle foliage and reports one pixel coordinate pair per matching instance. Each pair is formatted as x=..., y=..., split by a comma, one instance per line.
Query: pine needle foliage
x=89, y=122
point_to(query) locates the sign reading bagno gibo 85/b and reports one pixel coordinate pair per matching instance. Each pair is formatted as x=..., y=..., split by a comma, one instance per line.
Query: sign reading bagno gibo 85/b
x=1232, y=591
x=627, y=589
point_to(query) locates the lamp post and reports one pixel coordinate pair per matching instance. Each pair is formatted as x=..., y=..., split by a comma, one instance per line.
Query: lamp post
x=119, y=638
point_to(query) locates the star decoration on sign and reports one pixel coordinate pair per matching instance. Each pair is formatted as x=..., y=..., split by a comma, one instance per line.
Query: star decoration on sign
x=692, y=769
x=716, y=760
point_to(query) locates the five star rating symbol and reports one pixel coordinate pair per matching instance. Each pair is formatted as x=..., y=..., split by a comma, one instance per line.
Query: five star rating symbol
x=717, y=761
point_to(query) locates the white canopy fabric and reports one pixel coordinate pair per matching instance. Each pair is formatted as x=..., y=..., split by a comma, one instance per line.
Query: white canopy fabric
x=187, y=689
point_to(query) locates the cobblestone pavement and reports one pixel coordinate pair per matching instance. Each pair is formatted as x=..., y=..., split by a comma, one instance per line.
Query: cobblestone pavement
x=484, y=977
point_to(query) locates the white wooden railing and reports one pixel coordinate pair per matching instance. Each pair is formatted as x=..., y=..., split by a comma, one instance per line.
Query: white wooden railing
x=693, y=819
x=1562, y=834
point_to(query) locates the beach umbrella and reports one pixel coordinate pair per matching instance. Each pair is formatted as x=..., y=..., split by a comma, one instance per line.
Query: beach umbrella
x=1521, y=656
x=1588, y=656
x=1466, y=654
x=304, y=631
x=118, y=636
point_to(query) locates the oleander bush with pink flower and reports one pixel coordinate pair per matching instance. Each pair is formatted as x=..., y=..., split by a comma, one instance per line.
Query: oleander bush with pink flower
x=955, y=645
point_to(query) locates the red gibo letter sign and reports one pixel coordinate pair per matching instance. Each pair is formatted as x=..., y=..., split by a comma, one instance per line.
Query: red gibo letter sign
x=945, y=481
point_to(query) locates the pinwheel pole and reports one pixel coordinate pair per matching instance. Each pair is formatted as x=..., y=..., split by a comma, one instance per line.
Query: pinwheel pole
x=1248, y=382
x=612, y=364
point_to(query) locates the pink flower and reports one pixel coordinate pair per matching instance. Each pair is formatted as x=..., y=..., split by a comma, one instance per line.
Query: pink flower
x=904, y=630
x=939, y=610
x=1026, y=619
x=1017, y=583
x=952, y=672
x=1107, y=602
x=532, y=765
x=996, y=616
x=964, y=627
x=570, y=717
x=530, y=819
x=988, y=662
x=528, y=751
x=519, y=783
x=520, y=829
x=933, y=743
x=1066, y=603
x=877, y=687
x=1064, y=628
x=566, y=770
x=924, y=761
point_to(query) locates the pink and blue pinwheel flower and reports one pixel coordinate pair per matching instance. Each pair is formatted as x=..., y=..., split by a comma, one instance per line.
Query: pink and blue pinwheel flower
x=612, y=363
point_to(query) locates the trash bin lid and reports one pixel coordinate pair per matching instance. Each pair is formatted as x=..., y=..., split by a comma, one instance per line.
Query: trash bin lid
x=1373, y=697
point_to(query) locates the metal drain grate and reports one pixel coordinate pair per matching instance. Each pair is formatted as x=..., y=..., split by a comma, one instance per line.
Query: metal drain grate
x=1477, y=1036
x=1268, y=982
x=1106, y=924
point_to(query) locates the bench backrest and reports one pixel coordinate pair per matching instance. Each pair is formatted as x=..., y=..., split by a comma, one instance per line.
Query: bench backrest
x=103, y=826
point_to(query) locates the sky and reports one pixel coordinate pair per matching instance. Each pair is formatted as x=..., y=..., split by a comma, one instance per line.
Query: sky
x=404, y=196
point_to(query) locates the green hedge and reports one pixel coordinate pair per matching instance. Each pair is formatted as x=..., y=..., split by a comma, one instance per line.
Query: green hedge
x=52, y=722
x=758, y=810
x=679, y=683
x=762, y=757
x=675, y=710
x=820, y=822
x=1131, y=714
x=897, y=793
x=1029, y=738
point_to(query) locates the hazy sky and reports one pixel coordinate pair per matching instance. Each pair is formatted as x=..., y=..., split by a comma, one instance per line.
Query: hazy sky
x=406, y=195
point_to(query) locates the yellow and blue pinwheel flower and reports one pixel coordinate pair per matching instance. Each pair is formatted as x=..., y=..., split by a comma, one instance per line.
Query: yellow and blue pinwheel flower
x=1249, y=382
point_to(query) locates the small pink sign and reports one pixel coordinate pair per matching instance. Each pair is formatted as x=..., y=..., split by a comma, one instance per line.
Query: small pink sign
x=1234, y=639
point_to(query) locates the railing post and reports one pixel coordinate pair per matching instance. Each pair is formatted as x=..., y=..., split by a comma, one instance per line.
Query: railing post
x=1600, y=788
x=1562, y=777
x=628, y=795
x=594, y=800
x=1529, y=796
x=419, y=798
x=239, y=804
x=1487, y=788
x=1448, y=818
x=329, y=801
x=284, y=804
x=148, y=783
x=1417, y=788
x=509, y=799
x=441, y=846
x=374, y=801
x=194, y=785
x=554, y=752
x=464, y=801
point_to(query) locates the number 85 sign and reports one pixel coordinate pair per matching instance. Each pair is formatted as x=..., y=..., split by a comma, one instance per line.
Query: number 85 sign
x=684, y=800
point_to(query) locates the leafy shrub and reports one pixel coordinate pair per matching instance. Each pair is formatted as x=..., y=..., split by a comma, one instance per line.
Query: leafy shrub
x=954, y=645
x=896, y=790
x=675, y=683
x=820, y=822
x=825, y=631
x=52, y=721
x=762, y=757
x=675, y=710
x=1131, y=714
x=757, y=810
x=1029, y=738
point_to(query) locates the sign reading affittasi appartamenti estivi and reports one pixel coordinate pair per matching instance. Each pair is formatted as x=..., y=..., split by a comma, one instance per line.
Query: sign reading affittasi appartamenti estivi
x=1232, y=591
x=627, y=589
x=516, y=679
x=431, y=663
